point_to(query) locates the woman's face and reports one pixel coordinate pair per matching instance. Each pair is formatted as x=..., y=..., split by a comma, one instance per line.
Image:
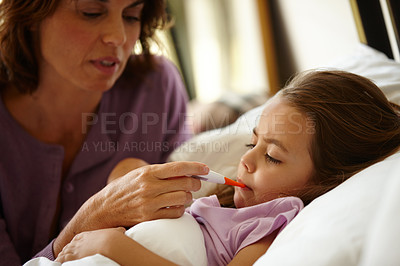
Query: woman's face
x=86, y=43
x=278, y=161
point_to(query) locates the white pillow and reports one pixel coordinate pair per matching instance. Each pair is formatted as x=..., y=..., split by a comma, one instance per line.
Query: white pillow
x=337, y=227
x=382, y=243
x=370, y=63
x=178, y=240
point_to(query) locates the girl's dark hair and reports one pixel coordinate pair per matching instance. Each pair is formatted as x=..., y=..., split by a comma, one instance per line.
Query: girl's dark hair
x=355, y=125
x=18, y=63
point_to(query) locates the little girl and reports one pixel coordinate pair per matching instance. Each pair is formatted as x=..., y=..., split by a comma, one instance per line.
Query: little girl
x=318, y=131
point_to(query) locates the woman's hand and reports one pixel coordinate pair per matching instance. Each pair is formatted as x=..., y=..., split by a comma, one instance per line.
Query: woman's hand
x=124, y=167
x=147, y=193
x=91, y=243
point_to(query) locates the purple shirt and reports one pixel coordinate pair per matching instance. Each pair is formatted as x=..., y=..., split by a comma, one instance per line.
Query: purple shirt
x=227, y=230
x=135, y=119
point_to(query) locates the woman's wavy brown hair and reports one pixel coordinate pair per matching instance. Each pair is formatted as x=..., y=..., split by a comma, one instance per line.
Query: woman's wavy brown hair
x=355, y=125
x=18, y=63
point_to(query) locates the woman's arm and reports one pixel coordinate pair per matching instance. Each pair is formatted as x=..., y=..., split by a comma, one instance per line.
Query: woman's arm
x=147, y=193
x=111, y=243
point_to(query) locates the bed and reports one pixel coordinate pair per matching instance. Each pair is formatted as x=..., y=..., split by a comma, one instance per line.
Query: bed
x=356, y=223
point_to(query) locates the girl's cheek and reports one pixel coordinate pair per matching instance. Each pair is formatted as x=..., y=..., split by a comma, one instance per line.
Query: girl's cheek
x=237, y=200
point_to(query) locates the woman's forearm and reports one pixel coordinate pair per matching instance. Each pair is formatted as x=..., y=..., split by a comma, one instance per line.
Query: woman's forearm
x=86, y=219
x=81, y=221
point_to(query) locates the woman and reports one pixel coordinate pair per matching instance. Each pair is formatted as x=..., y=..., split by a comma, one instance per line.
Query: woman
x=75, y=102
x=321, y=129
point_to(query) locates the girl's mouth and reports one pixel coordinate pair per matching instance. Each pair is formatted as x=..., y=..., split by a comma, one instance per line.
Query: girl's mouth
x=245, y=186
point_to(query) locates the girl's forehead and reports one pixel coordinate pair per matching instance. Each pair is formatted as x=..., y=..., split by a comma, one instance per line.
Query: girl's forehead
x=278, y=109
x=279, y=118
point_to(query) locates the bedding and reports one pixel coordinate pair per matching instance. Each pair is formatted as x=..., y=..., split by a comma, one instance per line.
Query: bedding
x=370, y=63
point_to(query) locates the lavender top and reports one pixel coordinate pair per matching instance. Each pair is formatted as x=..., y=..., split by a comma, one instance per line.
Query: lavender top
x=226, y=230
x=135, y=119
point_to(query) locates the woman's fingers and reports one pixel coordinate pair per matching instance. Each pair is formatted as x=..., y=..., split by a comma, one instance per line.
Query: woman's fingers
x=180, y=183
x=121, y=229
x=169, y=212
x=170, y=205
x=149, y=208
x=176, y=198
x=66, y=254
x=174, y=169
x=162, y=178
x=148, y=193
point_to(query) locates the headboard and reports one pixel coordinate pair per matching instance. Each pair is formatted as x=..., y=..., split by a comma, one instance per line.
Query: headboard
x=378, y=25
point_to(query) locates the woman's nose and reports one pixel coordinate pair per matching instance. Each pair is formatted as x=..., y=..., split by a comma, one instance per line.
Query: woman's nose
x=114, y=32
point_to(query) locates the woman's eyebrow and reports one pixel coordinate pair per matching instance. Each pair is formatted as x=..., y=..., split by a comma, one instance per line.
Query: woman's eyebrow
x=139, y=2
x=272, y=141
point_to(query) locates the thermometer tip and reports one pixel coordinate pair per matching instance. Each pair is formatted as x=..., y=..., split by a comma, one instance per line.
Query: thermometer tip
x=233, y=183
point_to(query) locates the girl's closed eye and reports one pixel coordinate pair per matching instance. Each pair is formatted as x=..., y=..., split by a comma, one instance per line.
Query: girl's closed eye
x=268, y=157
x=272, y=159
x=250, y=146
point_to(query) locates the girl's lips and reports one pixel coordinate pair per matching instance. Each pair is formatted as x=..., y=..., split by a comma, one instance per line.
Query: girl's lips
x=240, y=181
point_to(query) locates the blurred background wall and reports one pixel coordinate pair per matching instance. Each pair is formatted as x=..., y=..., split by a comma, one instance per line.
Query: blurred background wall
x=311, y=33
x=254, y=46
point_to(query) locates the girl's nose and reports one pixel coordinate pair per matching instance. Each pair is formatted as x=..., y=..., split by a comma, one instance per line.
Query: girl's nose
x=247, y=162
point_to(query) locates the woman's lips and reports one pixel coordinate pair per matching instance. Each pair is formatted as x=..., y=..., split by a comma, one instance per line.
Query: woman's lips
x=107, y=65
